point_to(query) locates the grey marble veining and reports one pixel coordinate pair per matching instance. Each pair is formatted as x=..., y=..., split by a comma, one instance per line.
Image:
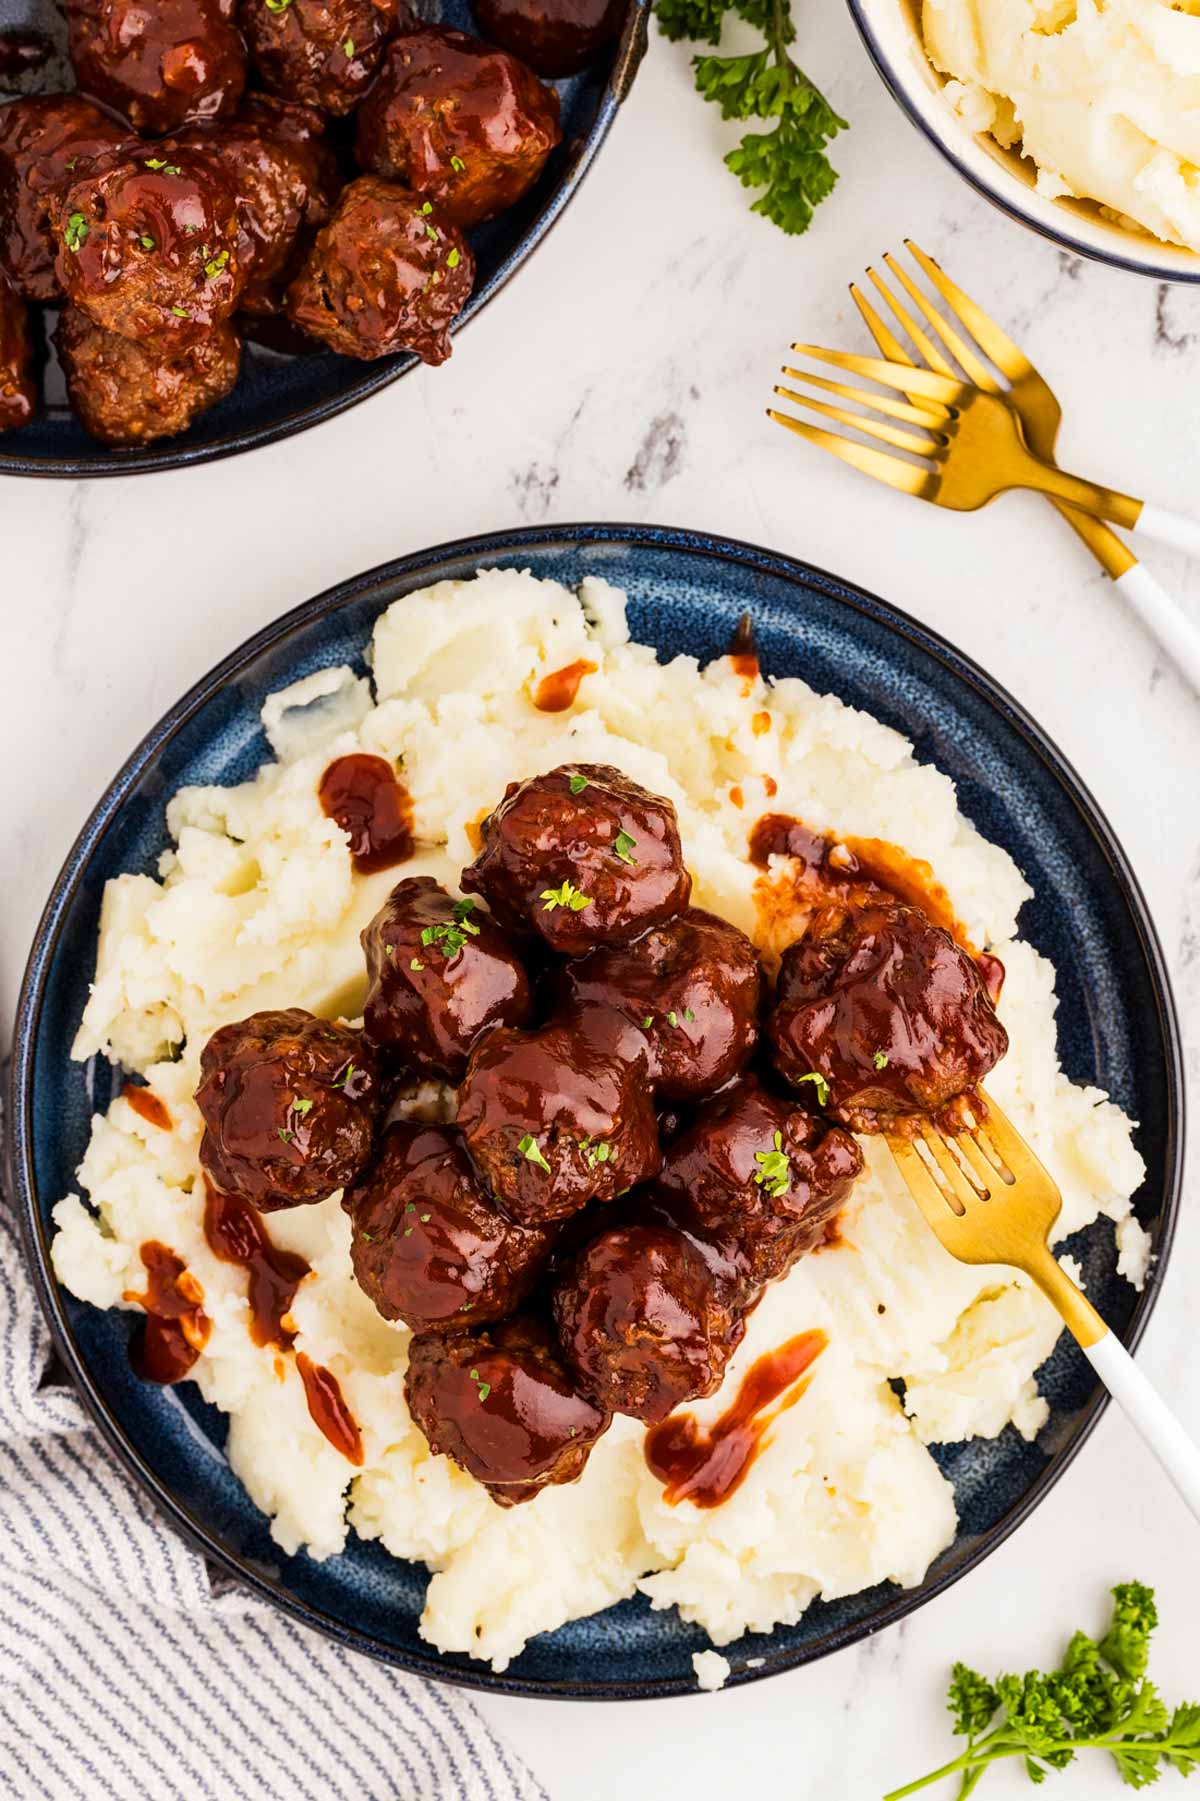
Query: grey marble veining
x=624, y=376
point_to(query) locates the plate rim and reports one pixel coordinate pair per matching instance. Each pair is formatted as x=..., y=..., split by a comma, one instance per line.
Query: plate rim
x=417, y=568
x=628, y=53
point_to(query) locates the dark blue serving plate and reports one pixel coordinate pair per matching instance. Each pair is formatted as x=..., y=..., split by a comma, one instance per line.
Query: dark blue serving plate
x=277, y=395
x=1116, y=1026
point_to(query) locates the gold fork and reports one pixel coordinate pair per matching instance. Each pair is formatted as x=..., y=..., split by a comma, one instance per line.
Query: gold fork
x=989, y=1200
x=1033, y=400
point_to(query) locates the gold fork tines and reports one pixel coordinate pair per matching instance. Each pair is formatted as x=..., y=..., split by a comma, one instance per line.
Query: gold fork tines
x=974, y=440
x=989, y=1199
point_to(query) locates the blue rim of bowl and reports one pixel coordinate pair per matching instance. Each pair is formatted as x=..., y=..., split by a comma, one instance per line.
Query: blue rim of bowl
x=1063, y=238
x=629, y=53
x=417, y=570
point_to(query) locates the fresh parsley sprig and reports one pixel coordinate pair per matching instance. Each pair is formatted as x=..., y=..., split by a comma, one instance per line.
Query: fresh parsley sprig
x=788, y=162
x=1098, y=1699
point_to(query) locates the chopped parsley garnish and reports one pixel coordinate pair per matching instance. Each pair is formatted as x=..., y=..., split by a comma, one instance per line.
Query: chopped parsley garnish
x=348, y=47
x=75, y=232
x=822, y=1087
x=594, y=1153
x=672, y=1018
x=215, y=264
x=431, y=231
x=425, y=1218
x=881, y=1059
x=428, y=207
x=531, y=1150
x=774, y=1170
x=147, y=242
x=181, y=312
x=647, y=1022
x=688, y=1015
x=457, y=164
x=416, y=963
x=449, y=939
x=566, y=896
x=157, y=163
x=452, y=262
x=578, y=783
x=282, y=1132
x=369, y=1236
x=485, y=1388
x=345, y=1078
x=623, y=845
x=302, y=1107
x=278, y=6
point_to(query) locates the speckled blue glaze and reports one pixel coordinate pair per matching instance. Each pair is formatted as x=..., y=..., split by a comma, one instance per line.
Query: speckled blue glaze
x=277, y=395
x=1117, y=1028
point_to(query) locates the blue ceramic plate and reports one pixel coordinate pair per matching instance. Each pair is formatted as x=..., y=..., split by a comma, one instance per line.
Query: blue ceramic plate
x=278, y=395
x=1116, y=1025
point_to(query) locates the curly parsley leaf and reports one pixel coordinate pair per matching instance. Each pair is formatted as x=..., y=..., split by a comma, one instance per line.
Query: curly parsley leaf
x=1098, y=1699
x=788, y=162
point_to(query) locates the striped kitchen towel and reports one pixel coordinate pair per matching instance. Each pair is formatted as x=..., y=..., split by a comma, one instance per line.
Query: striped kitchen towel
x=127, y=1671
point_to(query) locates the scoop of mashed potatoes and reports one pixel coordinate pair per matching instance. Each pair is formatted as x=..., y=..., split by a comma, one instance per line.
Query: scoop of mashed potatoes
x=256, y=904
x=1102, y=95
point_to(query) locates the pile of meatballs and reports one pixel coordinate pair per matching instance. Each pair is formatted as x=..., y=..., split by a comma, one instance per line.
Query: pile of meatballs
x=645, y=1135
x=201, y=186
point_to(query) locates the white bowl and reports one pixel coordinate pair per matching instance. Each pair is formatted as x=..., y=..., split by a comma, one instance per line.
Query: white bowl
x=889, y=29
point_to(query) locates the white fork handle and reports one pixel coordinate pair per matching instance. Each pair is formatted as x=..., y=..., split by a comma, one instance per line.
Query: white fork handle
x=1162, y=616
x=1169, y=528
x=1145, y=1408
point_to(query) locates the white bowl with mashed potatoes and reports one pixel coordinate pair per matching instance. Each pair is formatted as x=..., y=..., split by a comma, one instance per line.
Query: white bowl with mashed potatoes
x=1079, y=119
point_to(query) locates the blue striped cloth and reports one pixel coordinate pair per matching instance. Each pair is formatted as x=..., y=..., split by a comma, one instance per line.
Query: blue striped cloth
x=127, y=1671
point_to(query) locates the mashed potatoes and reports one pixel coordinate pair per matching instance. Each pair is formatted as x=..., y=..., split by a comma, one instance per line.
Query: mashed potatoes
x=256, y=905
x=1103, y=95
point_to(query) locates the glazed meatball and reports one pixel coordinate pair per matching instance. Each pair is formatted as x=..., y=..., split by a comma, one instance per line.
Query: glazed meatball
x=44, y=140
x=439, y=972
x=124, y=394
x=460, y=123
x=383, y=276
x=279, y=185
x=759, y=1178
x=693, y=985
x=289, y=1105
x=645, y=1320
x=158, y=65
x=323, y=52
x=582, y=856
x=18, y=392
x=555, y=37
x=890, y=1014
x=561, y=1116
x=430, y=1246
x=148, y=245
x=501, y=1404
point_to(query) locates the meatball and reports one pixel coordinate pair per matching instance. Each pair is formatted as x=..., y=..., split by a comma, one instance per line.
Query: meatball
x=439, y=972
x=460, y=123
x=124, y=394
x=430, y=1246
x=555, y=37
x=501, y=1404
x=18, y=392
x=561, y=1116
x=158, y=65
x=289, y=1105
x=884, y=1015
x=645, y=1321
x=323, y=52
x=383, y=276
x=759, y=1178
x=44, y=141
x=583, y=856
x=148, y=245
x=279, y=184
x=693, y=985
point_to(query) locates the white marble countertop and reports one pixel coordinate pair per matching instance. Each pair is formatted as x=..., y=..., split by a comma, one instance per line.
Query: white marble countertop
x=662, y=308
